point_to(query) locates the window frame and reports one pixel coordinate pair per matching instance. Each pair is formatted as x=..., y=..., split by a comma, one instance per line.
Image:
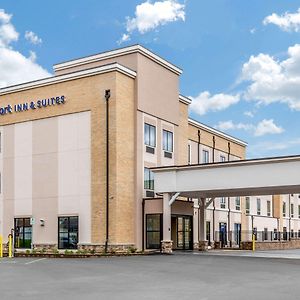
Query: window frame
x=168, y=147
x=258, y=206
x=292, y=210
x=284, y=209
x=149, y=175
x=247, y=208
x=268, y=208
x=237, y=203
x=60, y=232
x=151, y=127
x=223, y=202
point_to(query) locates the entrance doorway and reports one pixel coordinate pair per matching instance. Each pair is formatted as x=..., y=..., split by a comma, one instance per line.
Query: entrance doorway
x=23, y=233
x=223, y=234
x=182, y=234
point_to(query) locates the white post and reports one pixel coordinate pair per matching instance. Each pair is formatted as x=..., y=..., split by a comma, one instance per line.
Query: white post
x=202, y=226
x=196, y=224
x=166, y=242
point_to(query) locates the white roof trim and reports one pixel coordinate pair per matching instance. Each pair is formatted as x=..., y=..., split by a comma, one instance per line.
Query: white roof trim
x=217, y=132
x=66, y=77
x=185, y=99
x=114, y=53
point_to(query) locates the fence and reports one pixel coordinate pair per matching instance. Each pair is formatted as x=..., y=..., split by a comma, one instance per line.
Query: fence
x=234, y=238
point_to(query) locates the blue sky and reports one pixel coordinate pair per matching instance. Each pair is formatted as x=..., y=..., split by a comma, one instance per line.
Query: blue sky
x=240, y=59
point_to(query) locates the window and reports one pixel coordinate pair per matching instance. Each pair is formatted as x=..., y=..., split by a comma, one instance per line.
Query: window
x=238, y=203
x=168, y=141
x=298, y=211
x=275, y=234
x=189, y=155
x=223, y=202
x=148, y=179
x=23, y=233
x=283, y=209
x=67, y=232
x=248, y=205
x=222, y=158
x=205, y=158
x=258, y=206
x=268, y=208
x=149, y=135
x=153, y=231
x=292, y=210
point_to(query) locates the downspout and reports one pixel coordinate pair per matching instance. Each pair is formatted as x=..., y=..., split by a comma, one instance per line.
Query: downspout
x=214, y=146
x=290, y=217
x=229, y=217
x=214, y=207
x=143, y=225
x=107, y=96
x=199, y=138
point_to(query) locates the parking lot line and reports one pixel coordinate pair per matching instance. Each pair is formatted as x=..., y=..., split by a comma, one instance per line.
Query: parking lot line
x=34, y=261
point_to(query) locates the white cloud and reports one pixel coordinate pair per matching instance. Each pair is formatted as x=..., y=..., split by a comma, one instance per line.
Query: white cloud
x=229, y=125
x=252, y=30
x=272, y=80
x=286, y=22
x=32, y=38
x=206, y=102
x=125, y=37
x=149, y=16
x=249, y=114
x=262, y=128
x=267, y=127
x=14, y=66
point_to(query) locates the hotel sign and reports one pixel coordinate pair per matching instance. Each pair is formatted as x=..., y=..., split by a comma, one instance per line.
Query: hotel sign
x=32, y=105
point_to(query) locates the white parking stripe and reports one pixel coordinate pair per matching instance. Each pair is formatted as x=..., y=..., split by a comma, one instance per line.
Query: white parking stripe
x=34, y=261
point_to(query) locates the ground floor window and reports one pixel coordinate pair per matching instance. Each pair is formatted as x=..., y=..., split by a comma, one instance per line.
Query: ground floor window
x=153, y=231
x=23, y=233
x=67, y=232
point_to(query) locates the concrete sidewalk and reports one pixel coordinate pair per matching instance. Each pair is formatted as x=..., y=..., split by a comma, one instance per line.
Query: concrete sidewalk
x=282, y=254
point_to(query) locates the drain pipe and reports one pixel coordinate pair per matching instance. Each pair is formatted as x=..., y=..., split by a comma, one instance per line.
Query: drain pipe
x=199, y=138
x=107, y=96
x=290, y=217
x=214, y=206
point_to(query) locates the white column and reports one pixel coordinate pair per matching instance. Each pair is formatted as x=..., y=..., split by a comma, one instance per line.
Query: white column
x=166, y=217
x=196, y=222
x=202, y=220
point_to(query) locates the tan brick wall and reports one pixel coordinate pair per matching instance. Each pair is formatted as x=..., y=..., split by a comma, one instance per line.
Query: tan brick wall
x=88, y=94
x=182, y=132
x=220, y=143
x=277, y=209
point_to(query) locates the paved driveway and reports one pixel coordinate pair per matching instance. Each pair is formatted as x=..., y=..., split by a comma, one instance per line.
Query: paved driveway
x=178, y=276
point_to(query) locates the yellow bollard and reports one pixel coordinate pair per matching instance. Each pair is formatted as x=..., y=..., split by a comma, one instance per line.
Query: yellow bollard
x=10, y=252
x=253, y=242
x=1, y=246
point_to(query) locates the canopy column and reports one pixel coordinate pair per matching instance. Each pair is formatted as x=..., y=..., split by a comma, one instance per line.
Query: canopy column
x=203, y=243
x=166, y=243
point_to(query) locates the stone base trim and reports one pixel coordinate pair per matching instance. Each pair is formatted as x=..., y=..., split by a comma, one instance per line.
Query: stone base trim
x=196, y=246
x=275, y=245
x=111, y=248
x=203, y=245
x=166, y=247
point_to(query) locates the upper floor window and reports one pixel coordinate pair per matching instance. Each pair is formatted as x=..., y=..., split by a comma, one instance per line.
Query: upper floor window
x=258, y=206
x=167, y=140
x=205, y=158
x=247, y=205
x=283, y=209
x=150, y=135
x=148, y=179
x=222, y=158
x=223, y=202
x=238, y=203
x=268, y=208
x=292, y=210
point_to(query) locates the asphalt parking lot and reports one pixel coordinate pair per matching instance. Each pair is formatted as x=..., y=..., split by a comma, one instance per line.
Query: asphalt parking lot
x=179, y=276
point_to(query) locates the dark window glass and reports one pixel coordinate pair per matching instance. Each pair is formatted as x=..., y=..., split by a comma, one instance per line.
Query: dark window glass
x=258, y=206
x=67, y=232
x=149, y=135
x=23, y=233
x=205, y=158
x=148, y=179
x=268, y=208
x=247, y=205
x=153, y=231
x=168, y=141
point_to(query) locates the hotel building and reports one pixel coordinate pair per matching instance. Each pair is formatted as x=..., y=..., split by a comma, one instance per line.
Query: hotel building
x=76, y=152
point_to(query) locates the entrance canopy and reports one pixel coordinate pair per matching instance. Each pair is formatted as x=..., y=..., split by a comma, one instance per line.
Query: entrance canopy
x=265, y=176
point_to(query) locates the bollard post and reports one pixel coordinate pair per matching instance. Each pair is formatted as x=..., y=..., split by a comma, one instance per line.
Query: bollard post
x=1, y=246
x=10, y=250
x=253, y=242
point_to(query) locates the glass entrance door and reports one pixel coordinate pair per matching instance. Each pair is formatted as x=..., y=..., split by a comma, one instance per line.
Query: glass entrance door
x=184, y=233
x=223, y=234
x=23, y=233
